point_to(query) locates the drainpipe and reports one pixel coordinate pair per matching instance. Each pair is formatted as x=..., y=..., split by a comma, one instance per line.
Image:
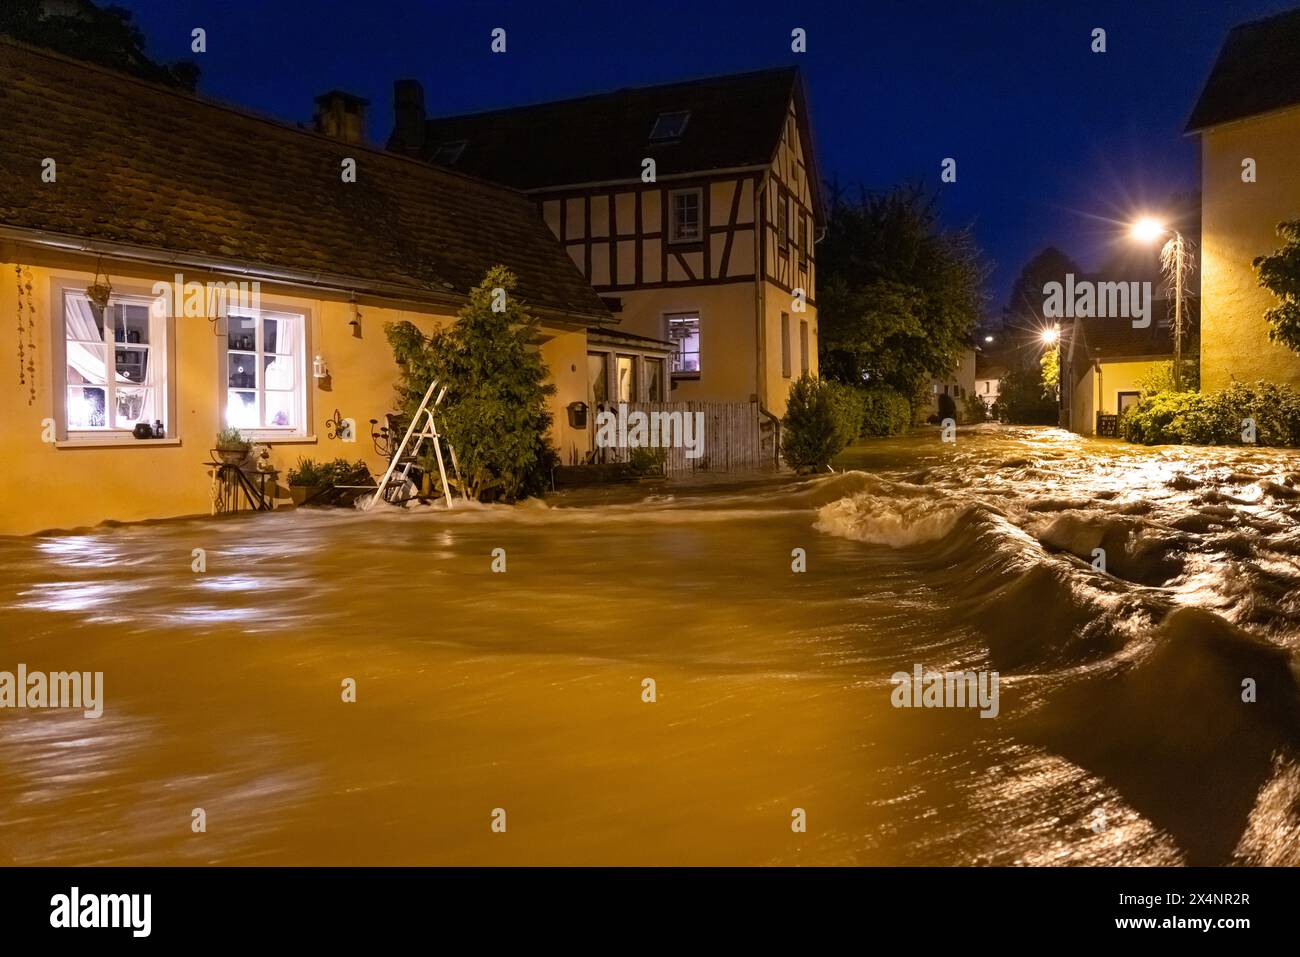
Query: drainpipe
x=760, y=316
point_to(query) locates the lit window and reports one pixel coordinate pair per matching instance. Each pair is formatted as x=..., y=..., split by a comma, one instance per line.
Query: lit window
x=627, y=379
x=598, y=377
x=654, y=380
x=447, y=153
x=684, y=208
x=266, y=381
x=684, y=333
x=670, y=126
x=115, y=368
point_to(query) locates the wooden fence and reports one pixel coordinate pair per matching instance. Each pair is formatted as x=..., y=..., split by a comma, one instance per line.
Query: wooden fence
x=731, y=440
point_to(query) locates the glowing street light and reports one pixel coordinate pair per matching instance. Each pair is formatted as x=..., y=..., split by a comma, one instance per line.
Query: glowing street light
x=1051, y=335
x=1147, y=230
x=988, y=338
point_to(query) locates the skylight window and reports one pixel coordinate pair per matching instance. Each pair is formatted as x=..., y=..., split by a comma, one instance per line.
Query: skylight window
x=670, y=126
x=447, y=153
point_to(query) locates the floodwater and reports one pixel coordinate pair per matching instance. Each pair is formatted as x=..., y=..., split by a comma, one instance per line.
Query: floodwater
x=1121, y=735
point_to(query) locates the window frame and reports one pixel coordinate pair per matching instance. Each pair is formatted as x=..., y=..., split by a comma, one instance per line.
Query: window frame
x=673, y=372
x=787, y=363
x=302, y=390
x=162, y=362
x=804, y=350
x=664, y=138
x=673, y=238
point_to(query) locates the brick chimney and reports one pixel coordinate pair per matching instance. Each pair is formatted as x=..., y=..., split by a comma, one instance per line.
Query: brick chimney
x=408, y=105
x=342, y=116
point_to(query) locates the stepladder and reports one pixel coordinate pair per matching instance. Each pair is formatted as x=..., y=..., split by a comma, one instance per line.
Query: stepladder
x=421, y=435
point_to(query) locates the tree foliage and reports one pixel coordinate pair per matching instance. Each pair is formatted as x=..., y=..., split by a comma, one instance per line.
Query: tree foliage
x=1023, y=399
x=494, y=414
x=898, y=295
x=821, y=418
x=102, y=35
x=1279, y=273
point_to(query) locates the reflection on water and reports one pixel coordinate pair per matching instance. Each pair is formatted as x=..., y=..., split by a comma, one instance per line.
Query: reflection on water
x=1122, y=736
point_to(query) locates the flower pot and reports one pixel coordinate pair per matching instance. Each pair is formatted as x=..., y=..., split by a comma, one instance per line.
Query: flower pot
x=301, y=493
x=232, y=456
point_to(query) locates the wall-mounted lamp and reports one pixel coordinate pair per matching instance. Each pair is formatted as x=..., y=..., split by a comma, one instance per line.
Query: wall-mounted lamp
x=318, y=368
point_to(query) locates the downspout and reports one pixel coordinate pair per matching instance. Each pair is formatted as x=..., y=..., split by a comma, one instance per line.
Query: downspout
x=760, y=324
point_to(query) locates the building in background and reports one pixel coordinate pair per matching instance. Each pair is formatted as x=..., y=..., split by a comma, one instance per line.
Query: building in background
x=692, y=208
x=1248, y=111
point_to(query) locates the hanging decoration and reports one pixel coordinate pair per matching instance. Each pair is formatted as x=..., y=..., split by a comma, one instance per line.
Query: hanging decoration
x=22, y=362
x=31, y=335
x=98, y=293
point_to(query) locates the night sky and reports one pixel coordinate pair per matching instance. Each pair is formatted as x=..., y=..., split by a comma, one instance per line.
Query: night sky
x=1053, y=143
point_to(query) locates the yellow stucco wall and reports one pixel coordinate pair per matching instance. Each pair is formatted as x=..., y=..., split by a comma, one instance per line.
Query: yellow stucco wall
x=1100, y=392
x=777, y=386
x=1238, y=224
x=45, y=486
x=727, y=337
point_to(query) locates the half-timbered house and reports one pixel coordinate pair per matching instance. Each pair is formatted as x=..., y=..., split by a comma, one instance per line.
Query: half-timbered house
x=692, y=208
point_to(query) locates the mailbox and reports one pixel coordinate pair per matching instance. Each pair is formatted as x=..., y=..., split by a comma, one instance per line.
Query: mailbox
x=577, y=415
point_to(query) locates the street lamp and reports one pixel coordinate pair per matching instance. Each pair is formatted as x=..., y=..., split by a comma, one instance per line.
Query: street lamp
x=1050, y=335
x=1147, y=230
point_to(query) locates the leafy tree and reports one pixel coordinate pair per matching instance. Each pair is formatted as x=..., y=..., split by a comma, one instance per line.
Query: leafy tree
x=103, y=35
x=1280, y=275
x=494, y=414
x=898, y=295
x=821, y=418
x=1023, y=400
x=1050, y=364
x=1022, y=319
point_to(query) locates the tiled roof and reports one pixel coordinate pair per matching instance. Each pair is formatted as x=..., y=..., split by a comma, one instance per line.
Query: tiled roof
x=1113, y=339
x=735, y=121
x=143, y=165
x=1258, y=70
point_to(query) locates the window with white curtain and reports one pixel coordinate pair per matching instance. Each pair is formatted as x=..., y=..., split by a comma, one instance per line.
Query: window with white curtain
x=115, y=364
x=266, y=375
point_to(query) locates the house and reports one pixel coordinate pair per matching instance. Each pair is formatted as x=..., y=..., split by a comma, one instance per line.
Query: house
x=959, y=383
x=990, y=370
x=1106, y=364
x=692, y=208
x=111, y=181
x=1248, y=119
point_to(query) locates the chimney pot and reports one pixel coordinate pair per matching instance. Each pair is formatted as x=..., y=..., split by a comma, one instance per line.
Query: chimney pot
x=342, y=116
x=408, y=105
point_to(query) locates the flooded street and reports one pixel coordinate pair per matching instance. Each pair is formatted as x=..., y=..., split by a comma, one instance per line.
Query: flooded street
x=1122, y=737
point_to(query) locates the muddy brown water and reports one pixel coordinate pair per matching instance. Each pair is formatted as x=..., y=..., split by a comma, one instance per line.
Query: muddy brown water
x=1121, y=738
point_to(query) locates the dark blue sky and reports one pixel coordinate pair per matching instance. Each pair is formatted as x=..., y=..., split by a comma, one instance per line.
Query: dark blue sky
x=1051, y=140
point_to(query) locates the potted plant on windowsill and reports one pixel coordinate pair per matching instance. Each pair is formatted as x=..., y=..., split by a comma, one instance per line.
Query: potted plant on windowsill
x=231, y=447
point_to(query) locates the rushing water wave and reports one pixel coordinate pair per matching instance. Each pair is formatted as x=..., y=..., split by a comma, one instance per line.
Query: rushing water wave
x=1122, y=735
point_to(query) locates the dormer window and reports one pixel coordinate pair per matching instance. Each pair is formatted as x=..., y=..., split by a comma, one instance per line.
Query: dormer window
x=670, y=126
x=447, y=153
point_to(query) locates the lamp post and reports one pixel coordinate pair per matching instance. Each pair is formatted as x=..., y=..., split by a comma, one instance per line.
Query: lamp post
x=1146, y=230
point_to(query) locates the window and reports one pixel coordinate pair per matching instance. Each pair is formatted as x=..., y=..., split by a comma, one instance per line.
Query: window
x=791, y=212
x=669, y=126
x=785, y=345
x=447, y=153
x=598, y=376
x=782, y=223
x=115, y=364
x=1123, y=400
x=803, y=346
x=684, y=333
x=803, y=238
x=627, y=379
x=266, y=376
x=684, y=210
x=654, y=380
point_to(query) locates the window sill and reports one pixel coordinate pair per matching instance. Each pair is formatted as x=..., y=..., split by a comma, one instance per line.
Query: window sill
x=688, y=376
x=279, y=438
x=112, y=442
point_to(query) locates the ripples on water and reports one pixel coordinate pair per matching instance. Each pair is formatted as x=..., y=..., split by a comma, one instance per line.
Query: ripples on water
x=1121, y=691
